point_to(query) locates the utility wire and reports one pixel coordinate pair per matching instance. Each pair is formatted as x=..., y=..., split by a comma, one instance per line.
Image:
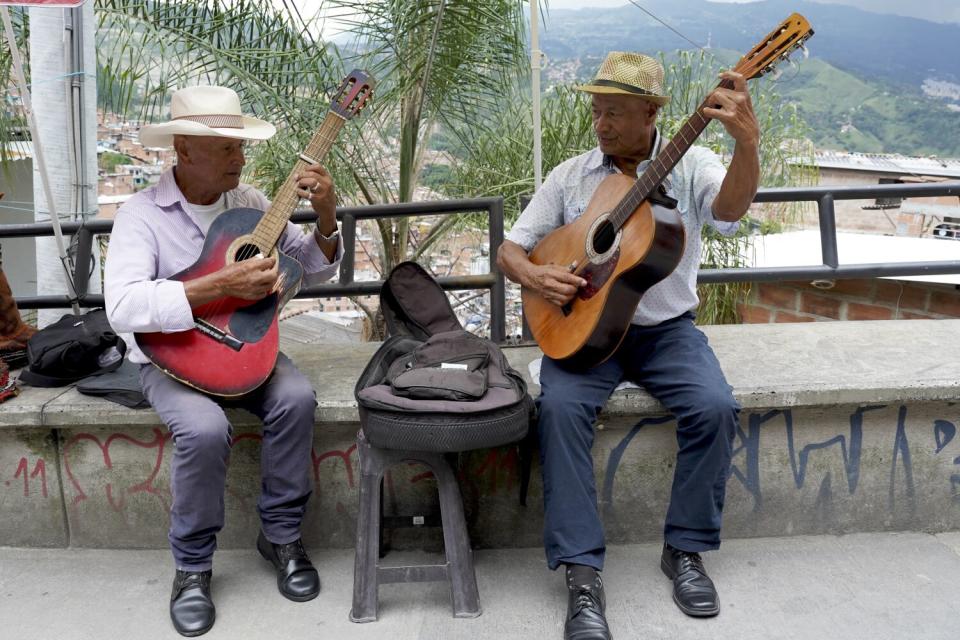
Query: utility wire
x=652, y=15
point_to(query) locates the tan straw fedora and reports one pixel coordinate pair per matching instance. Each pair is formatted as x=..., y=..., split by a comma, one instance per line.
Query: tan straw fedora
x=205, y=111
x=632, y=74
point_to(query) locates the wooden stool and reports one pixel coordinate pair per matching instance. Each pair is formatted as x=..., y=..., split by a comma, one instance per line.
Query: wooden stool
x=367, y=572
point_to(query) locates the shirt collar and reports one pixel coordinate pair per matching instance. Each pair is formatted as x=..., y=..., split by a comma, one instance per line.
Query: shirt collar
x=168, y=193
x=598, y=159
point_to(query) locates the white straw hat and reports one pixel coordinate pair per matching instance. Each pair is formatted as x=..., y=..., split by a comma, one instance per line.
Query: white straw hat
x=205, y=111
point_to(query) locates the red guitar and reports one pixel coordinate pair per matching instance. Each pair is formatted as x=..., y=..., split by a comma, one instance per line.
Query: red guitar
x=233, y=347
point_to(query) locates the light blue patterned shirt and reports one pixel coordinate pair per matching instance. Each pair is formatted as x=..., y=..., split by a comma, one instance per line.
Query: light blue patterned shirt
x=694, y=182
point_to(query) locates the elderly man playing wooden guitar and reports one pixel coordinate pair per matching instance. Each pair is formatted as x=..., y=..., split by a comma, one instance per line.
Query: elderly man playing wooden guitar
x=159, y=232
x=661, y=350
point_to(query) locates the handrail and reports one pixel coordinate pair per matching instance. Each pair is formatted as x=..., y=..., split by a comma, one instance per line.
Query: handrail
x=825, y=197
x=831, y=269
x=493, y=281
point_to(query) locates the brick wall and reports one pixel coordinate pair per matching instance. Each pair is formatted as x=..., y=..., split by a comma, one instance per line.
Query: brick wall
x=867, y=299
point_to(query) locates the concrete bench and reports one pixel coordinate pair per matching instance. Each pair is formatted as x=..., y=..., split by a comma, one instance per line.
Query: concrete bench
x=847, y=426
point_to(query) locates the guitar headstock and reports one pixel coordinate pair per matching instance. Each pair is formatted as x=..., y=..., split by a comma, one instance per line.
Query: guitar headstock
x=353, y=94
x=775, y=47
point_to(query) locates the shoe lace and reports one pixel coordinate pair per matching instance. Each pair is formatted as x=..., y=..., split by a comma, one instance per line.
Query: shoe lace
x=189, y=579
x=691, y=561
x=586, y=599
x=292, y=551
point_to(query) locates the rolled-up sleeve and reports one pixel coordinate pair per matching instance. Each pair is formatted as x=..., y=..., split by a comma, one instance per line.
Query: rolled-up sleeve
x=707, y=176
x=135, y=299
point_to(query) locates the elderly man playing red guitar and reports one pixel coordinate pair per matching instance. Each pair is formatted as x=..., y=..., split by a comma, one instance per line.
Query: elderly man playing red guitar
x=661, y=350
x=159, y=232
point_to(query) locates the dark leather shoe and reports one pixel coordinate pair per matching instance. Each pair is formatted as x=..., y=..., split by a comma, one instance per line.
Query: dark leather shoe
x=191, y=607
x=586, y=604
x=693, y=590
x=296, y=577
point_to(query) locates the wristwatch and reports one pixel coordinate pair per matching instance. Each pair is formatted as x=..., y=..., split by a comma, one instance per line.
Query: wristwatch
x=335, y=234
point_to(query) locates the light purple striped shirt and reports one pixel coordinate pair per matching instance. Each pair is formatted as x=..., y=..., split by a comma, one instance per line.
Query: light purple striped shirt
x=155, y=235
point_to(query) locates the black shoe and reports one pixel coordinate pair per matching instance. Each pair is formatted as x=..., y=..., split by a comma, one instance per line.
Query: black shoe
x=693, y=590
x=191, y=607
x=586, y=604
x=296, y=577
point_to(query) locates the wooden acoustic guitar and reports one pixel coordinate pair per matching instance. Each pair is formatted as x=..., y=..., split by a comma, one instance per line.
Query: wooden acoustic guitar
x=233, y=346
x=621, y=245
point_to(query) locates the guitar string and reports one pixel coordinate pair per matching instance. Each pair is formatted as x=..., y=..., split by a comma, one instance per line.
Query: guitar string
x=618, y=215
x=319, y=145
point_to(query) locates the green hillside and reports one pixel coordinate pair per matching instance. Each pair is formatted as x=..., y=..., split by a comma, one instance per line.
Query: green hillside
x=845, y=112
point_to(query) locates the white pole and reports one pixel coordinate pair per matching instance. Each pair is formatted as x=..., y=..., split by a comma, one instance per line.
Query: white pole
x=38, y=155
x=536, y=58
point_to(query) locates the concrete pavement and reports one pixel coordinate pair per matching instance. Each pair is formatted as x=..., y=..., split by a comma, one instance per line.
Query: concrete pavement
x=872, y=585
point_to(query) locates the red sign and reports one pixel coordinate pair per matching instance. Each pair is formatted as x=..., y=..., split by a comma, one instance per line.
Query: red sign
x=42, y=3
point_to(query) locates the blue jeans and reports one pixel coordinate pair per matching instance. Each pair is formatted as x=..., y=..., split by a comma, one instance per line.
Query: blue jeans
x=675, y=364
x=202, y=440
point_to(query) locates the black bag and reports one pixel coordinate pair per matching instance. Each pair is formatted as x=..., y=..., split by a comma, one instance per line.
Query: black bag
x=72, y=348
x=432, y=386
x=121, y=386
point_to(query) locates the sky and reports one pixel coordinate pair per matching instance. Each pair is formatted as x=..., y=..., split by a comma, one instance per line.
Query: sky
x=936, y=10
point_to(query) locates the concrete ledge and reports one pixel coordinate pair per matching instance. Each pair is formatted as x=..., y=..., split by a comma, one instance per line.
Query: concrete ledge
x=847, y=426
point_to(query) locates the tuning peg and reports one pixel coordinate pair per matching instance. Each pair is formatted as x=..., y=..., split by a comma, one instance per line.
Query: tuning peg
x=775, y=73
x=806, y=52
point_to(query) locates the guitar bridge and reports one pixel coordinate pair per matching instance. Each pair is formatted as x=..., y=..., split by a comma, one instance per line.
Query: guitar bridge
x=217, y=334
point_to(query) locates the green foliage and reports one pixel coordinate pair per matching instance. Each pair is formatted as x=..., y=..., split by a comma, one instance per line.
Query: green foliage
x=13, y=124
x=109, y=161
x=263, y=50
x=436, y=176
x=500, y=160
x=441, y=64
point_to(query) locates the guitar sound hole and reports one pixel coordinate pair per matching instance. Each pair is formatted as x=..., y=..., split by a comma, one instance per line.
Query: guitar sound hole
x=603, y=237
x=247, y=251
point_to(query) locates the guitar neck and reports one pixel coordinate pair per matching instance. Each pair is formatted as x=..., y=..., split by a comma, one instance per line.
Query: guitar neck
x=274, y=221
x=661, y=166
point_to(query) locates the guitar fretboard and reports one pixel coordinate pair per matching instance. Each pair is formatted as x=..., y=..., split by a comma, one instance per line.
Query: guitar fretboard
x=663, y=164
x=274, y=221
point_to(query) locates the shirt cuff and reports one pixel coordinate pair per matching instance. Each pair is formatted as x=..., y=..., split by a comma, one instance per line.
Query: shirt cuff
x=173, y=309
x=723, y=227
x=314, y=260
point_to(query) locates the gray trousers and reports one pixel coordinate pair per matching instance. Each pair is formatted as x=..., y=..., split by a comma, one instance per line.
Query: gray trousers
x=202, y=439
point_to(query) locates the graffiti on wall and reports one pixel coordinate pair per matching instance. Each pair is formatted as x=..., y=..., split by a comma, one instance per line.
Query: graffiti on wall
x=747, y=447
x=120, y=467
x=39, y=474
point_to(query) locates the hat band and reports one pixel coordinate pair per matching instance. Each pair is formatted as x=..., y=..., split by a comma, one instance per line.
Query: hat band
x=625, y=87
x=218, y=121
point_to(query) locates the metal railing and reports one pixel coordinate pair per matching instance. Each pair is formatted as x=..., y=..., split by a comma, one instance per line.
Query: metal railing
x=492, y=281
x=825, y=197
x=831, y=269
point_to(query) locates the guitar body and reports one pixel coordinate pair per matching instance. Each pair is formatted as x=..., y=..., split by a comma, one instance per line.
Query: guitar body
x=618, y=271
x=203, y=362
